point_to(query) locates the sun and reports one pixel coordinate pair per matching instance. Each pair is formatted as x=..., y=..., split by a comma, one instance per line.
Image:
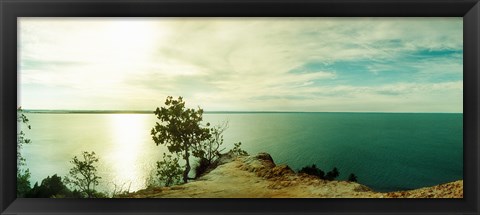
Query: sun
x=134, y=40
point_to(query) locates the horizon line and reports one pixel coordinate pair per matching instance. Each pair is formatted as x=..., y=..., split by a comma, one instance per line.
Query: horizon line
x=209, y=112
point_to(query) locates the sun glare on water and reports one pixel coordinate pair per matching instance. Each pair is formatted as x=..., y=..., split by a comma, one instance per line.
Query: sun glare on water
x=128, y=132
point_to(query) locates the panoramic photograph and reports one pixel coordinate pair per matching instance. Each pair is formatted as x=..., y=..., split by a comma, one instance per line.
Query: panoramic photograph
x=186, y=107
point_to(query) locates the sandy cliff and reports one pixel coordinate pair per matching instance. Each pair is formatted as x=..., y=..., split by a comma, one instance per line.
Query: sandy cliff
x=258, y=177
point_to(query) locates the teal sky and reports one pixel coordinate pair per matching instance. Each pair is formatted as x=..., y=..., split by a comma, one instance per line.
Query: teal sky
x=242, y=64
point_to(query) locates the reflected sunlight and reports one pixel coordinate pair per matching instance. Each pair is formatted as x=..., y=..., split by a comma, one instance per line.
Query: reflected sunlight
x=127, y=132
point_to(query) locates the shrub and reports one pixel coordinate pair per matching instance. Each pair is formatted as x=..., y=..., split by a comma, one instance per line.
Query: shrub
x=209, y=150
x=332, y=175
x=169, y=172
x=237, y=150
x=23, y=182
x=313, y=170
x=77, y=194
x=202, y=167
x=50, y=187
x=352, y=177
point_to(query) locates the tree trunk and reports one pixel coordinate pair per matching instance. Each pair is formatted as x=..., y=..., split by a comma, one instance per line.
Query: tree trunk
x=187, y=166
x=89, y=192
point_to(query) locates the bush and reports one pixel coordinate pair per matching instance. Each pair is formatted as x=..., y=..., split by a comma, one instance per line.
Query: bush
x=312, y=170
x=209, y=150
x=50, y=187
x=352, y=177
x=237, y=150
x=23, y=182
x=202, y=167
x=332, y=175
x=76, y=194
x=169, y=172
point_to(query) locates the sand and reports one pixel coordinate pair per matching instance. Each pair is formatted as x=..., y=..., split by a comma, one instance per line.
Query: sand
x=258, y=177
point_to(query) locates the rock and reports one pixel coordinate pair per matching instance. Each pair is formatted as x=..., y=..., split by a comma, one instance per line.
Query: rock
x=448, y=190
x=264, y=166
x=265, y=157
x=361, y=188
x=282, y=170
x=259, y=163
x=225, y=158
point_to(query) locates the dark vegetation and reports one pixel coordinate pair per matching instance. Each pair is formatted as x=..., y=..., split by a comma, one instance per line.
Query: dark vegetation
x=202, y=167
x=52, y=187
x=23, y=173
x=331, y=175
x=169, y=170
x=352, y=177
x=313, y=170
x=237, y=150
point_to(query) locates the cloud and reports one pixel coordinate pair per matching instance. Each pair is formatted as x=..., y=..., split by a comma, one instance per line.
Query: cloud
x=305, y=64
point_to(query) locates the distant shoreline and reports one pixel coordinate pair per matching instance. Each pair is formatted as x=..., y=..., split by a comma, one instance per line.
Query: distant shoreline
x=88, y=111
x=213, y=112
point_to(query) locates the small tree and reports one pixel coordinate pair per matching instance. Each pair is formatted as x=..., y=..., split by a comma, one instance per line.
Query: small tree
x=23, y=173
x=352, y=177
x=83, y=174
x=180, y=130
x=169, y=171
x=332, y=174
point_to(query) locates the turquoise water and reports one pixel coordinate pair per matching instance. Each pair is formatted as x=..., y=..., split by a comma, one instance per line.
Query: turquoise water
x=387, y=151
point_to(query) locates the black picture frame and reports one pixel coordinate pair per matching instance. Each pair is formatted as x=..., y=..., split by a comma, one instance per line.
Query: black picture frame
x=11, y=9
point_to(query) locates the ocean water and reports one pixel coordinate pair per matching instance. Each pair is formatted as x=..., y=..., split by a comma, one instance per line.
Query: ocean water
x=387, y=151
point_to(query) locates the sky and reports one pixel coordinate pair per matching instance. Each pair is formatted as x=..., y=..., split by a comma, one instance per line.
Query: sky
x=242, y=64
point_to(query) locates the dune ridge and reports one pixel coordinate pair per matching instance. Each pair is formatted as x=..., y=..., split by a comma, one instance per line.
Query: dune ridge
x=258, y=176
